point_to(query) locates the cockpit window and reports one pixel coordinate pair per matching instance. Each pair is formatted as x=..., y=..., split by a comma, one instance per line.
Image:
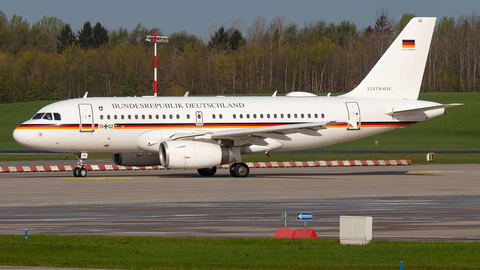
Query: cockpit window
x=48, y=116
x=57, y=116
x=38, y=116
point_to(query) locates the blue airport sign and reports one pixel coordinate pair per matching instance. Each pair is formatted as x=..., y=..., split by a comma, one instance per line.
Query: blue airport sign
x=304, y=216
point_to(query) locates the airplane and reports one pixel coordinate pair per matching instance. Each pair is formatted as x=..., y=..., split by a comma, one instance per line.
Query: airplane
x=204, y=132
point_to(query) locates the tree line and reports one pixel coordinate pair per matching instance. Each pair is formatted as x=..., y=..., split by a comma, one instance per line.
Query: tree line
x=49, y=61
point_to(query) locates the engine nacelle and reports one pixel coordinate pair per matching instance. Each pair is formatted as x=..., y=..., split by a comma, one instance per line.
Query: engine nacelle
x=136, y=159
x=193, y=155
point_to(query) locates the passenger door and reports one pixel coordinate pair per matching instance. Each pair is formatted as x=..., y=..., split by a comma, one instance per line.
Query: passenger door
x=86, y=118
x=354, y=118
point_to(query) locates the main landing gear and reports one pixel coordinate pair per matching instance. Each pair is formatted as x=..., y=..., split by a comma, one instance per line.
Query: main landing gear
x=207, y=171
x=80, y=171
x=239, y=170
x=236, y=170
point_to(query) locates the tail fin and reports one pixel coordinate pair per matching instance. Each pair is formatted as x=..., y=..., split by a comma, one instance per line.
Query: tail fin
x=399, y=72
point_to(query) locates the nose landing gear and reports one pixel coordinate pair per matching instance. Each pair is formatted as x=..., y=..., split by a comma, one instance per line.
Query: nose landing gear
x=80, y=171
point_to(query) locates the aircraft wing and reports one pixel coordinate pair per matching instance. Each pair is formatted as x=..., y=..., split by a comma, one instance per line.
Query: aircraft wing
x=280, y=129
x=249, y=134
x=414, y=110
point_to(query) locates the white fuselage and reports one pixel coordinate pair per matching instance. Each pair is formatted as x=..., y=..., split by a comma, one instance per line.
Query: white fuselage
x=116, y=125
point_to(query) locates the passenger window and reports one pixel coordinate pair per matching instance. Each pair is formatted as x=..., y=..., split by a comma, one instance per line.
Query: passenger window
x=121, y=116
x=136, y=116
x=301, y=115
x=275, y=116
x=295, y=115
x=188, y=116
x=241, y=116
x=316, y=115
x=288, y=115
x=157, y=117
x=171, y=116
x=309, y=116
x=220, y=116
x=178, y=116
x=101, y=117
x=281, y=115
x=150, y=116
x=57, y=116
x=268, y=115
x=38, y=116
x=108, y=116
x=234, y=116
x=129, y=116
x=48, y=116
x=213, y=116
x=115, y=117
x=323, y=115
x=261, y=115
x=143, y=116
x=248, y=116
x=164, y=117
x=255, y=116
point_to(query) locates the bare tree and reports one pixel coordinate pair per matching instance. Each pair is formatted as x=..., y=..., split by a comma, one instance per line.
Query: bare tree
x=383, y=30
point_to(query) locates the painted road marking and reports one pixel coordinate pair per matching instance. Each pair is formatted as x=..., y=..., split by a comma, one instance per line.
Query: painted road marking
x=97, y=178
x=435, y=171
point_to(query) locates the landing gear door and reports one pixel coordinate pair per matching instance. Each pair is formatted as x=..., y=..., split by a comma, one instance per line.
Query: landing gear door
x=86, y=118
x=354, y=118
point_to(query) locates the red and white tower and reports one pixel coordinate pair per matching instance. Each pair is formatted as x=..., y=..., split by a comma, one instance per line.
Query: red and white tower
x=161, y=39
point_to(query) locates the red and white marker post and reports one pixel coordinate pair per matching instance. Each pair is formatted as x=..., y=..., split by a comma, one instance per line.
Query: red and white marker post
x=160, y=39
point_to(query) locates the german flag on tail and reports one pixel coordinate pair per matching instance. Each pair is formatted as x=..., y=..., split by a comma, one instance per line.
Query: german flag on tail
x=408, y=44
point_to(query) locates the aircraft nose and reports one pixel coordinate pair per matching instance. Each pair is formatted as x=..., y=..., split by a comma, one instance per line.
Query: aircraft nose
x=21, y=136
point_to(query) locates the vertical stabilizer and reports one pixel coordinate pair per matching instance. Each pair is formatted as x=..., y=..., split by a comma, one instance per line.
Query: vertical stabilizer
x=399, y=72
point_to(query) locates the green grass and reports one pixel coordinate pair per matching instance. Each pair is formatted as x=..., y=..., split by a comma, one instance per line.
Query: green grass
x=199, y=253
x=67, y=156
x=416, y=158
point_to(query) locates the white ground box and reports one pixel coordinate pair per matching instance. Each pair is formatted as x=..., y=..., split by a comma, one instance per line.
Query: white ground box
x=355, y=230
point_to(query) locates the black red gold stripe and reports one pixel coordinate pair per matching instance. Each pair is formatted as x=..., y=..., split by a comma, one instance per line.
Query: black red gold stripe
x=206, y=125
x=408, y=43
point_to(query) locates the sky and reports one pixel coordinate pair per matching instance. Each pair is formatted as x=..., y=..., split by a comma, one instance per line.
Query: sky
x=203, y=17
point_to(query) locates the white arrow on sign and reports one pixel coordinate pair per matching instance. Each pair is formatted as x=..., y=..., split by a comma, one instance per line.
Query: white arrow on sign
x=304, y=216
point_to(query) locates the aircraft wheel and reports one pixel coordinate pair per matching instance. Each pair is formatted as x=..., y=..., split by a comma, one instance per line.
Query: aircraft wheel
x=207, y=171
x=239, y=170
x=232, y=169
x=82, y=172
x=75, y=171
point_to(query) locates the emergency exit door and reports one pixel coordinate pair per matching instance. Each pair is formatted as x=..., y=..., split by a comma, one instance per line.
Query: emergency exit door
x=199, y=118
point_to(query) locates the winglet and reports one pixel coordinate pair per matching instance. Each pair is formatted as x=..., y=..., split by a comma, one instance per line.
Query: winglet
x=86, y=94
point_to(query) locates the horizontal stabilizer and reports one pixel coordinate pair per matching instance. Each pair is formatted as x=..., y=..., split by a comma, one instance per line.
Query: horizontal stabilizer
x=423, y=109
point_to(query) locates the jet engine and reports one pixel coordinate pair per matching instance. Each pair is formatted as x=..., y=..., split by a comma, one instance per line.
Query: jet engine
x=193, y=155
x=136, y=159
